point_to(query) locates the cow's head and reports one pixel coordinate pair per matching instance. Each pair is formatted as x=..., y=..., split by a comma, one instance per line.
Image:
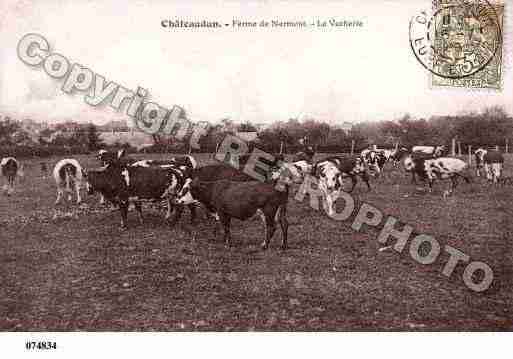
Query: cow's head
x=189, y=192
x=329, y=176
x=409, y=164
x=373, y=162
x=359, y=165
x=287, y=174
x=479, y=155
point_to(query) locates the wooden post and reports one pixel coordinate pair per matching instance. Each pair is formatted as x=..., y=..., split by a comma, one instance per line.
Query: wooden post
x=470, y=155
x=459, y=148
x=497, y=147
x=507, y=145
x=281, y=147
x=453, y=147
x=352, y=147
x=396, y=146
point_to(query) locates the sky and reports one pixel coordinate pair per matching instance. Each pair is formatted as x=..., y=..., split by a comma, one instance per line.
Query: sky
x=252, y=74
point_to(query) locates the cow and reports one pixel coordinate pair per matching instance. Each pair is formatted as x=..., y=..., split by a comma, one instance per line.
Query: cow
x=182, y=167
x=492, y=161
x=434, y=151
x=67, y=174
x=330, y=172
x=437, y=168
x=121, y=184
x=227, y=199
x=9, y=168
x=374, y=159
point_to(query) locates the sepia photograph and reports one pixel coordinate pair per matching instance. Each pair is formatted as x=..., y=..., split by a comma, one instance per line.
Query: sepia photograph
x=285, y=170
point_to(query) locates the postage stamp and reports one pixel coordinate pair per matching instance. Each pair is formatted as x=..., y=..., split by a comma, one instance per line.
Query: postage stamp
x=460, y=43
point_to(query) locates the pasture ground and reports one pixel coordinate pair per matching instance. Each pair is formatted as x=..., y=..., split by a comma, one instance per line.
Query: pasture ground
x=70, y=268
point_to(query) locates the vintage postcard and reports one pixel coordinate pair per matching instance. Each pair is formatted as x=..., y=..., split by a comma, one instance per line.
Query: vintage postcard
x=254, y=166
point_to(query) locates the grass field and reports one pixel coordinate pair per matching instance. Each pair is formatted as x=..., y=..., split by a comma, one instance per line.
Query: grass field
x=72, y=268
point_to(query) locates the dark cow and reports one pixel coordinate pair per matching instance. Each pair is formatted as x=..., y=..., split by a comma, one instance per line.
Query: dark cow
x=492, y=161
x=67, y=174
x=437, y=168
x=226, y=199
x=9, y=168
x=121, y=184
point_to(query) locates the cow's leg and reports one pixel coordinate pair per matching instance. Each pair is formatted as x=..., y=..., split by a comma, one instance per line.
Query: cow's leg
x=77, y=190
x=225, y=221
x=138, y=208
x=177, y=216
x=329, y=204
x=170, y=207
x=102, y=199
x=365, y=179
x=270, y=228
x=192, y=209
x=123, y=210
x=353, y=183
x=413, y=179
x=60, y=193
x=284, y=224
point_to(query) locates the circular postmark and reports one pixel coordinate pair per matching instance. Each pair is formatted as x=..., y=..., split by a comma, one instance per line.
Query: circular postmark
x=457, y=39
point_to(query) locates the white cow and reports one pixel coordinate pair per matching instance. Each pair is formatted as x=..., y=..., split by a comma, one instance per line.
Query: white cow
x=492, y=161
x=67, y=174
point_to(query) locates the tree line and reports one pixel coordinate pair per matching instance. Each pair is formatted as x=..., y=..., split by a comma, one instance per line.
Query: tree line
x=490, y=127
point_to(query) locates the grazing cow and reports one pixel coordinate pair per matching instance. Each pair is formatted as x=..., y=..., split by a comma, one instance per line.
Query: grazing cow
x=226, y=199
x=9, y=168
x=492, y=161
x=67, y=174
x=330, y=172
x=122, y=184
x=434, y=151
x=432, y=168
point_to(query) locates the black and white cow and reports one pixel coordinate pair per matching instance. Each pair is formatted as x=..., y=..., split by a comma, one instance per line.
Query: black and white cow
x=121, y=184
x=430, y=169
x=67, y=174
x=492, y=161
x=9, y=168
x=331, y=171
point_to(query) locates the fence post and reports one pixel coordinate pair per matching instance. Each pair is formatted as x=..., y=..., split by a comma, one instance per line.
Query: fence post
x=281, y=147
x=497, y=147
x=507, y=147
x=459, y=148
x=352, y=147
x=453, y=147
x=470, y=155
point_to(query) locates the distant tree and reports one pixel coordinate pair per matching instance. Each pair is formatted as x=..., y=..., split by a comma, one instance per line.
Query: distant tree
x=246, y=127
x=8, y=129
x=94, y=141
